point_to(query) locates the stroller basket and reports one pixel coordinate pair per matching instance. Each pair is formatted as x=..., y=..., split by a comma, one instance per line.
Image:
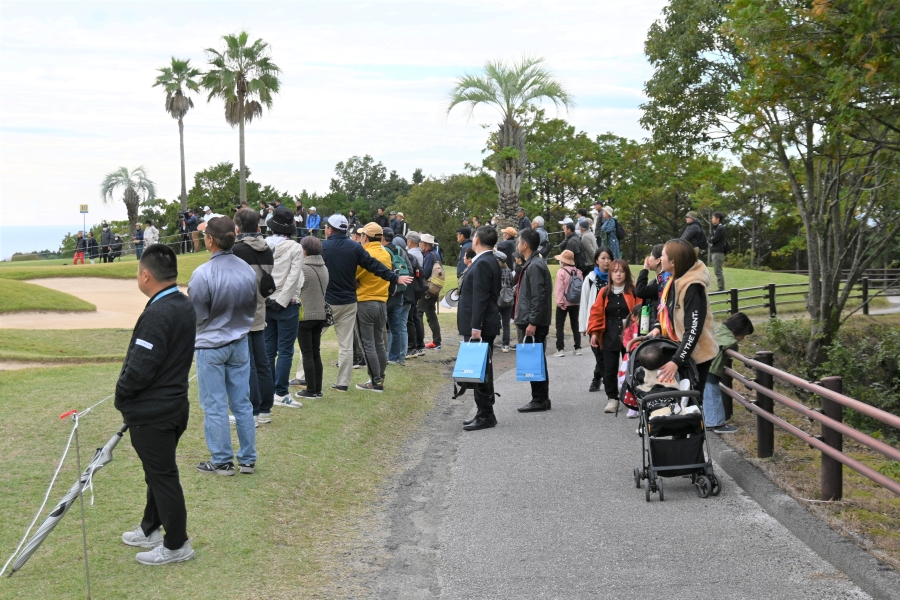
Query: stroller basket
x=675, y=425
x=678, y=456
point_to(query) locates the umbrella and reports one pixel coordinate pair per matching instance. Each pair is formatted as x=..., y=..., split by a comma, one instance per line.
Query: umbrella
x=101, y=457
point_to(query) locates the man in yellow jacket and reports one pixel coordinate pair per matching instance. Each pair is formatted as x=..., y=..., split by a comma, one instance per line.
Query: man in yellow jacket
x=371, y=312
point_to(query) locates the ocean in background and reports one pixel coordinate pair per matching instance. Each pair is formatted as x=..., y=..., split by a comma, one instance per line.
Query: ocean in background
x=31, y=238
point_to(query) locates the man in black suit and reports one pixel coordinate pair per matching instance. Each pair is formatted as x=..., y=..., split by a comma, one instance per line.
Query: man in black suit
x=478, y=318
x=534, y=310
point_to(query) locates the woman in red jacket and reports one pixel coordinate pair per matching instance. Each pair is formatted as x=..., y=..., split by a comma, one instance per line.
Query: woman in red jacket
x=608, y=314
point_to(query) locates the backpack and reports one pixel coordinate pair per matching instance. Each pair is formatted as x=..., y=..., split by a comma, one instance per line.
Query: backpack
x=620, y=231
x=573, y=291
x=436, y=282
x=419, y=284
x=726, y=247
x=704, y=243
x=400, y=266
x=507, y=289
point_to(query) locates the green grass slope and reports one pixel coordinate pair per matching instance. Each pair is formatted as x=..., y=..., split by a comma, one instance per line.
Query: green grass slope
x=17, y=296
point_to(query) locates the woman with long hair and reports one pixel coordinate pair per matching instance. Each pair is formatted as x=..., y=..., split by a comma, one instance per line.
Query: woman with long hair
x=685, y=315
x=595, y=281
x=607, y=321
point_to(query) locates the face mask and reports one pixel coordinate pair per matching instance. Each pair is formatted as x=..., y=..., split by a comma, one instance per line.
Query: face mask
x=106, y=229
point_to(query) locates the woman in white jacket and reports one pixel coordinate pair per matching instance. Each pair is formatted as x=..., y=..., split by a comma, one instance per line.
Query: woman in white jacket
x=595, y=281
x=283, y=306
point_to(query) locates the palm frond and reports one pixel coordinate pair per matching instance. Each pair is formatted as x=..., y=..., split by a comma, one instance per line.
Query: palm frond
x=241, y=72
x=176, y=79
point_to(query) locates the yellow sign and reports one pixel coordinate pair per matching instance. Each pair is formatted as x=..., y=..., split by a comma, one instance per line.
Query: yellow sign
x=84, y=208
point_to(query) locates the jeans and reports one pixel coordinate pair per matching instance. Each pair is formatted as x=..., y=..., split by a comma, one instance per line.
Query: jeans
x=344, y=326
x=262, y=386
x=506, y=314
x=372, y=318
x=718, y=261
x=540, y=390
x=572, y=314
x=223, y=376
x=155, y=444
x=281, y=331
x=138, y=251
x=428, y=307
x=713, y=411
x=309, y=336
x=415, y=327
x=398, y=314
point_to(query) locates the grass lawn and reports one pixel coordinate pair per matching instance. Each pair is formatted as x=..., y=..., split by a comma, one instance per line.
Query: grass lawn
x=64, y=345
x=118, y=270
x=269, y=535
x=16, y=296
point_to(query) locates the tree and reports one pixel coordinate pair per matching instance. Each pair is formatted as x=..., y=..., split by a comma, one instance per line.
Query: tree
x=245, y=78
x=511, y=90
x=135, y=188
x=365, y=185
x=176, y=79
x=219, y=188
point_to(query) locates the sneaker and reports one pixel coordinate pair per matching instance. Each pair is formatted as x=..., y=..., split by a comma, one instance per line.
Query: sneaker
x=370, y=387
x=611, y=405
x=359, y=365
x=139, y=540
x=287, y=401
x=578, y=352
x=226, y=469
x=256, y=421
x=339, y=388
x=505, y=348
x=420, y=352
x=633, y=414
x=411, y=354
x=560, y=353
x=306, y=394
x=231, y=419
x=724, y=429
x=297, y=383
x=432, y=346
x=247, y=468
x=163, y=556
x=264, y=417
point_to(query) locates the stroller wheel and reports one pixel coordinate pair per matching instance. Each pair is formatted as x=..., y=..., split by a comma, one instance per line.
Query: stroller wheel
x=703, y=486
x=637, y=477
x=716, y=487
x=647, y=490
x=659, y=486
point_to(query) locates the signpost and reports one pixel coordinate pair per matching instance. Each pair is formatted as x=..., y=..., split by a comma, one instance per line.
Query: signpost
x=84, y=211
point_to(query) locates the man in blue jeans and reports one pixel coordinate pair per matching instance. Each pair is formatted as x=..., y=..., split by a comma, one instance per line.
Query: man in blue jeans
x=397, y=305
x=223, y=293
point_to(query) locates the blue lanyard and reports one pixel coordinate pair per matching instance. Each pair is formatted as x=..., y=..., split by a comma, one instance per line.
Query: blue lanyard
x=171, y=290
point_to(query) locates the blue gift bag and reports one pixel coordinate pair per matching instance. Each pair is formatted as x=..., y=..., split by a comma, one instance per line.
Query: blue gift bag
x=530, y=364
x=471, y=362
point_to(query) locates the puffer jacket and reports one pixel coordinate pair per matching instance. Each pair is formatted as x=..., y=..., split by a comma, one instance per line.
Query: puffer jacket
x=253, y=250
x=312, y=292
x=693, y=234
x=287, y=272
x=534, y=294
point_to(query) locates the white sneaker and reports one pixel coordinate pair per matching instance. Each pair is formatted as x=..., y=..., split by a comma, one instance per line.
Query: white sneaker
x=264, y=418
x=560, y=354
x=288, y=401
x=611, y=405
x=578, y=352
x=633, y=414
x=231, y=419
x=163, y=556
x=137, y=538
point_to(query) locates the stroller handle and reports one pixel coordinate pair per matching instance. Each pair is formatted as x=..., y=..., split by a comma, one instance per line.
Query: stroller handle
x=636, y=341
x=672, y=394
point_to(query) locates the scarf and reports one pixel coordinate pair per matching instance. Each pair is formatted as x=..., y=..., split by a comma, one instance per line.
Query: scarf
x=666, y=326
x=602, y=277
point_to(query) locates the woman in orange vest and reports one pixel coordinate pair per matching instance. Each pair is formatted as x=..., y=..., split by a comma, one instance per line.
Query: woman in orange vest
x=608, y=314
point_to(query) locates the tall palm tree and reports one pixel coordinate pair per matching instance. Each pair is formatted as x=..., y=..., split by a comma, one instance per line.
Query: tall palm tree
x=510, y=89
x=135, y=187
x=176, y=79
x=245, y=77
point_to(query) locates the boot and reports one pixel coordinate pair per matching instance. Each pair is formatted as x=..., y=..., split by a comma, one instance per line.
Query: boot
x=595, y=385
x=611, y=405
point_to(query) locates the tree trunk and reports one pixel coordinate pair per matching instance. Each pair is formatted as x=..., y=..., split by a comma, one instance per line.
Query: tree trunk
x=243, y=188
x=510, y=172
x=183, y=182
x=131, y=207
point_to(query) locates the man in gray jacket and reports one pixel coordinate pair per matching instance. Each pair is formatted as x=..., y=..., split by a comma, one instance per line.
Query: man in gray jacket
x=588, y=239
x=223, y=292
x=534, y=310
x=106, y=241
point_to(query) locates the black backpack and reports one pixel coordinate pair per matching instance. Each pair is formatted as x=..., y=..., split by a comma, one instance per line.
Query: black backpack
x=620, y=231
x=704, y=243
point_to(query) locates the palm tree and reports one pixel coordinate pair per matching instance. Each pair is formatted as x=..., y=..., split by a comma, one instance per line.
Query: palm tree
x=510, y=89
x=136, y=188
x=245, y=77
x=175, y=79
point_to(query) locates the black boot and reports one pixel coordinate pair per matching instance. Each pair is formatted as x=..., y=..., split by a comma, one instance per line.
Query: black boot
x=595, y=385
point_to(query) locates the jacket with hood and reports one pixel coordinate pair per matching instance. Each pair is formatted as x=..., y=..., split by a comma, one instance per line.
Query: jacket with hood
x=691, y=316
x=253, y=250
x=312, y=292
x=534, y=293
x=151, y=235
x=342, y=256
x=693, y=233
x=287, y=271
x=372, y=287
x=726, y=340
x=563, y=277
x=589, y=290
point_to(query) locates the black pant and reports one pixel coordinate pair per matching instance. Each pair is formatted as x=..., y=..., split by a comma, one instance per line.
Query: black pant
x=598, y=363
x=540, y=390
x=104, y=254
x=309, y=336
x=484, y=392
x=187, y=244
x=415, y=328
x=611, y=372
x=428, y=307
x=572, y=314
x=506, y=314
x=155, y=445
x=262, y=383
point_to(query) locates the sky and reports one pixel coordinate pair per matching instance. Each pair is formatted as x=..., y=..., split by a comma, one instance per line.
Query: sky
x=357, y=78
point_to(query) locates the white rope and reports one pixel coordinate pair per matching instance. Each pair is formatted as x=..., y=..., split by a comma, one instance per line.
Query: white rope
x=46, y=496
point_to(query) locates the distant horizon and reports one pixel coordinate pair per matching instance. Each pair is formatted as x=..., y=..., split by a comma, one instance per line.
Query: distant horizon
x=32, y=238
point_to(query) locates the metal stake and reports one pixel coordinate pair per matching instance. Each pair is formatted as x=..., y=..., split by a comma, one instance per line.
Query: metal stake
x=87, y=569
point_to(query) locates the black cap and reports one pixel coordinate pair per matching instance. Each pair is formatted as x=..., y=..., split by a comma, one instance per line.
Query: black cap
x=388, y=234
x=465, y=231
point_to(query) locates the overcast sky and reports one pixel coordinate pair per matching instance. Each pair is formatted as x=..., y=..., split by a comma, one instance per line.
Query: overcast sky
x=358, y=78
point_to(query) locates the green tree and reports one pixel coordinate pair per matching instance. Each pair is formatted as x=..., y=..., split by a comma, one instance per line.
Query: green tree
x=219, y=188
x=135, y=188
x=365, y=185
x=245, y=77
x=176, y=79
x=511, y=90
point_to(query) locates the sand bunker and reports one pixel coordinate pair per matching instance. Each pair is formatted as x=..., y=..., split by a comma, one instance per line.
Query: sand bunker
x=119, y=303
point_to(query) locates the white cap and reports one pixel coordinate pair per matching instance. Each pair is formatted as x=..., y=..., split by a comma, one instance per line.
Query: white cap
x=206, y=208
x=312, y=208
x=566, y=220
x=338, y=221
x=427, y=238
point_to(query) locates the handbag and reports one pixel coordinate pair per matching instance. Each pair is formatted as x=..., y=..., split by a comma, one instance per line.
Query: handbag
x=471, y=362
x=329, y=312
x=530, y=365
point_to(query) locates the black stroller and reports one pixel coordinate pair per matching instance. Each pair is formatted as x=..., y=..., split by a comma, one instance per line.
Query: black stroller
x=673, y=445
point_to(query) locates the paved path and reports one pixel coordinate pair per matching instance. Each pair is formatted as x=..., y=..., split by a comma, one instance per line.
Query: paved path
x=544, y=506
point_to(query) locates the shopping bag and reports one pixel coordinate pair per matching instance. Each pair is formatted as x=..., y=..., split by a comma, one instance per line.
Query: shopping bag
x=530, y=364
x=471, y=362
x=625, y=394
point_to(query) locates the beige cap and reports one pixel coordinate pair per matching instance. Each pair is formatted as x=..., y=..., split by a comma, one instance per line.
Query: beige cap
x=372, y=230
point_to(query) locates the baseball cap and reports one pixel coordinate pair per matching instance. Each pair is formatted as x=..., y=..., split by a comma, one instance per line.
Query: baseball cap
x=400, y=214
x=566, y=221
x=206, y=208
x=338, y=221
x=393, y=212
x=372, y=230
x=312, y=209
x=387, y=233
x=510, y=231
x=465, y=231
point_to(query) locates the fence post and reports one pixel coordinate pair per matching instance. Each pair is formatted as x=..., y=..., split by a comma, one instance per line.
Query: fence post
x=765, y=430
x=734, y=300
x=865, y=294
x=773, y=310
x=832, y=470
x=727, y=381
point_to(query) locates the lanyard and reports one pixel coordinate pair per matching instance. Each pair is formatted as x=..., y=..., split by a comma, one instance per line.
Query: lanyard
x=171, y=290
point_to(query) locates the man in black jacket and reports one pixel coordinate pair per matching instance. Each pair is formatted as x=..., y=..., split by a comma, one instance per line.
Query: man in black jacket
x=464, y=239
x=381, y=218
x=534, y=310
x=573, y=242
x=694, y=233
x=478, y=318
x=152, y=395
x=524, y=222
x=717, y=248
